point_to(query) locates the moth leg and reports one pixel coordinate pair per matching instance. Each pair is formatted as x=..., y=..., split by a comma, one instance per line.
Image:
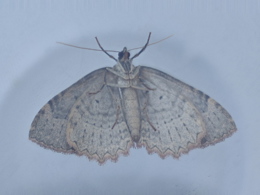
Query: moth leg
x=129, y=86
x=135, y=71
x=117, y=114
x=91, y=93
x=149, y=88
x=147, y=117
x=141, y=88
x=118, y=107
x=116, y=85
x=104, y=83
x=142, y=81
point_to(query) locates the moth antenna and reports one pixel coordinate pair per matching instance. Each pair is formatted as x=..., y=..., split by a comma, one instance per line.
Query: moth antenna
x=152, y=43
x=85, y=47
x=142, y=48
x=105, y=50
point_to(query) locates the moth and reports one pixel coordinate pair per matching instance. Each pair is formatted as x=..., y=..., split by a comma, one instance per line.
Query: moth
x=112, y=109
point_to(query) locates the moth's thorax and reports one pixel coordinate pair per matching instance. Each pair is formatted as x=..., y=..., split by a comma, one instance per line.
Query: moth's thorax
x=126, y=66
x=125, y=69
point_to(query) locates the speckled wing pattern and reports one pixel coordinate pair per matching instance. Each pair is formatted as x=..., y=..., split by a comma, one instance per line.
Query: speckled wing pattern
x=80, y=119
x=177, y=117
x=96, y=126
x=88, y=117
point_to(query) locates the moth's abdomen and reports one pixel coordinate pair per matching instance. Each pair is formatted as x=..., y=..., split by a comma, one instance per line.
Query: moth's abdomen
x=132, y=112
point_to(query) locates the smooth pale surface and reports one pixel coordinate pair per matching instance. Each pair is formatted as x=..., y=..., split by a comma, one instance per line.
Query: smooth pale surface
x=215, y=49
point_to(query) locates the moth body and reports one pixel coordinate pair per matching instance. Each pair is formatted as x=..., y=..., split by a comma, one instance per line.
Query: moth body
x=131, y=112
x=128, y=83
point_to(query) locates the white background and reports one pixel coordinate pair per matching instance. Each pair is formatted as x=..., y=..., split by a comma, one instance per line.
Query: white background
x=215, y=48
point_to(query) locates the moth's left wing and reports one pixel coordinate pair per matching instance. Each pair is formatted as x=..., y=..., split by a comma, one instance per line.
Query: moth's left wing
x=96, y=125
x=49, y=126
x=85, y=119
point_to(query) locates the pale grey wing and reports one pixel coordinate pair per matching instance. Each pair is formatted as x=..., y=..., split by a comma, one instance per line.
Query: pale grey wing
x=96, y=126
x=170, y=124
x=184, y=118
x=48, y=128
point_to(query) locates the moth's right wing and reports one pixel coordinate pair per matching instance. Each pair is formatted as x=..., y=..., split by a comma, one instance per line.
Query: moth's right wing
x=182, y=116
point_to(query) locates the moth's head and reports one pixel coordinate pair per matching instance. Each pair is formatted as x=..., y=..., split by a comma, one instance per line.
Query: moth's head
x=123, y=55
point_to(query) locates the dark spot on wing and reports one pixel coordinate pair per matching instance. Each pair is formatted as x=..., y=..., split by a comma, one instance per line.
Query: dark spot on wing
x=206, y=97
x=200, y=93
x=42, y=111
x=51, y=105
x=203, y=140
x=217, y=105
x=63, y=92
